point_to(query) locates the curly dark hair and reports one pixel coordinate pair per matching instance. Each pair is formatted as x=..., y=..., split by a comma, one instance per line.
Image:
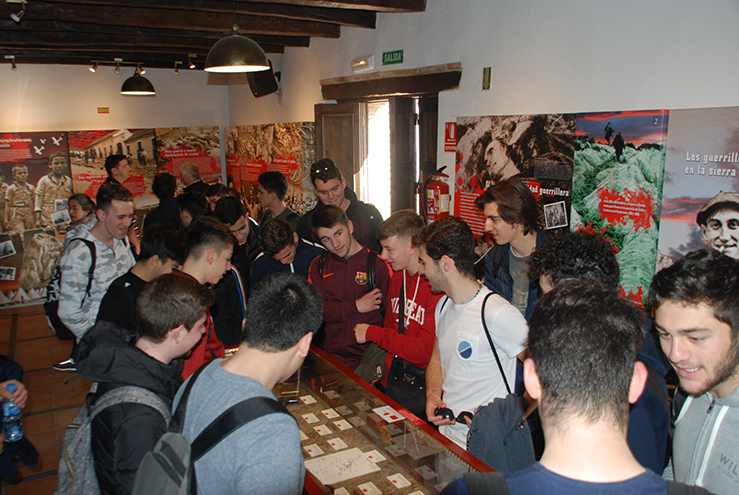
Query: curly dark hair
x=164, y=185
x=580, y=256
x=452, y=237
x=703, y=276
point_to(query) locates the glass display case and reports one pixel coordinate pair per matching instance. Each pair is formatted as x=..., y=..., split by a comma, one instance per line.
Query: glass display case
x=358, y=441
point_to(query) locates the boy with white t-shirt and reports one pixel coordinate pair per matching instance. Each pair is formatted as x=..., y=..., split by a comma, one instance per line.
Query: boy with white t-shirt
x=462, y=368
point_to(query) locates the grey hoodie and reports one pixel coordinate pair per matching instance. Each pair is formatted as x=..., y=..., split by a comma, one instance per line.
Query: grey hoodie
x=705, y=448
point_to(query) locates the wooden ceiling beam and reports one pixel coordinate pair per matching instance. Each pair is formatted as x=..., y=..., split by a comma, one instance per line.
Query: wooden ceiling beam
x=376, y=5
x=36, y=30
x=345, y=17
x=219, y=22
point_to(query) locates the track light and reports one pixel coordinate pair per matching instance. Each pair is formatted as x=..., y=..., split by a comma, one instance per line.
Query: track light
x=12, y=61
x=117, y=68
x=176, y=69
x=142, y=71
x=94, y=67
x=19, y=16
x=191, y=56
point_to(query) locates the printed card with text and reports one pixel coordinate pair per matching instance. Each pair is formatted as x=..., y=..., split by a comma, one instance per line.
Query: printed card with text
x=398, y=481
x=313, y=450
x=343, y=425
x=308, y=400
x=323, y=430
x=310, y=418
x=388, y=414
x=369, y=489
x=330, y=413
x=337, y=443
x=344, y=411
x=375, y=456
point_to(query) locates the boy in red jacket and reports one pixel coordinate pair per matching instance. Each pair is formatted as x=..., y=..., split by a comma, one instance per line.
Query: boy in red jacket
x=416, y=342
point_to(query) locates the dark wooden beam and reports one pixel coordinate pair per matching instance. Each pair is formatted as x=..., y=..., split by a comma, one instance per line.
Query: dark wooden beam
x=85, y=57
x=219, y=22
x=376, y=5
x=402, y=82
x=31, y=30
x=345, y=17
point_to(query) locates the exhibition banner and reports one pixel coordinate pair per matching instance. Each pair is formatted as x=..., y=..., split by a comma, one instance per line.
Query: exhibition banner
x=89, y=149
x=176, y=146
x=537, y=149
x=35, y=186
x=700, y=178
x=617, y=187
x=288, y=148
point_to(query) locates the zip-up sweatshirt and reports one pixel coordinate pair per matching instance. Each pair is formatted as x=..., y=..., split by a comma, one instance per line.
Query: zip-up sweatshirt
x=705, y=450
x=344, y=281
x=416, y=344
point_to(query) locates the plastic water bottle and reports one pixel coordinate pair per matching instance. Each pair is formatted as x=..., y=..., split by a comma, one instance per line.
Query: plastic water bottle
x=12, y=417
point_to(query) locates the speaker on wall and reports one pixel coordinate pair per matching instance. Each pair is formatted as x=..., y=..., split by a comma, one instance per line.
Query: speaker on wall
x=263, y=82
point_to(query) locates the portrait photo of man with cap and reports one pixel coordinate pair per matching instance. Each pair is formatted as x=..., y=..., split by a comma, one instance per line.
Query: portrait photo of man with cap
x=718, y=220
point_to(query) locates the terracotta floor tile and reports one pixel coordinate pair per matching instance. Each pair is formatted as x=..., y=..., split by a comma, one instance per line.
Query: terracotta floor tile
x=71, y=394
x=34, y=355
x=38, y=403
x=63, y=418
x=39, y=422
x=43, y=440
x=4, y=329
x=33, y=326
x=48, y=461
x=38, y=388
x=44, y=486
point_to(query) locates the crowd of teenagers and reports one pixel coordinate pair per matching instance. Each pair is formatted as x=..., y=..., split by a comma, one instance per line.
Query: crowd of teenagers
x=541, y=369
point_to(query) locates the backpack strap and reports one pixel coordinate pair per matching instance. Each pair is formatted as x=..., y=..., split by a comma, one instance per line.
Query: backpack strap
x=178, y=419
x=131, y=395
x=490, y=340
x=486, y=483
x=322, y=263
x=371, y=282
x=231, y=420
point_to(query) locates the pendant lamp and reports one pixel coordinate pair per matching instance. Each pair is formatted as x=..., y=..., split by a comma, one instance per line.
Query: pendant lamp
x=236, y=53
x=137, y=85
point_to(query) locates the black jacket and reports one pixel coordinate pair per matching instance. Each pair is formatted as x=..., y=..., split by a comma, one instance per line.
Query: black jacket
x=167, y=212
x=364, y=217
x=124, y=433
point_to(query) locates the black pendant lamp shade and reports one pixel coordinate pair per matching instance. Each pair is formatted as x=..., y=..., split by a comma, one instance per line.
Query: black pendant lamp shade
x=137, y=85
x=236, y=53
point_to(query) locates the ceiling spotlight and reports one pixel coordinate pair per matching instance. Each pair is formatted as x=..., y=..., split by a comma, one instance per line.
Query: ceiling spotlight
x=12, y=61
x=236, y=53
x=117, y=68
x=191, y=56
x=19, y=16
x=142, y=71
x=176, y=69
x=94, y=67
x=137, y=85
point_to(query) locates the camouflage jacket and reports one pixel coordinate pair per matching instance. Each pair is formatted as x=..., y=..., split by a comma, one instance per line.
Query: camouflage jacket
x=76, y=310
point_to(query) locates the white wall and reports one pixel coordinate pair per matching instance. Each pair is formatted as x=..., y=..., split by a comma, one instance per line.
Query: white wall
x=546, y=56
x=60, y=97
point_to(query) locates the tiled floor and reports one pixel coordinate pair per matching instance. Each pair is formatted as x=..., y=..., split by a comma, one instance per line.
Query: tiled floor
x=52, y=403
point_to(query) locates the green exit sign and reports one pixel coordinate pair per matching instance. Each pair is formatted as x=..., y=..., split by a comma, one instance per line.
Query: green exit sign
x=389, y=58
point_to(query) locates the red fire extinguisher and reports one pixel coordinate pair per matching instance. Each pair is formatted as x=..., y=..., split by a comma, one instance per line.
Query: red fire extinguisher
x=435, y=196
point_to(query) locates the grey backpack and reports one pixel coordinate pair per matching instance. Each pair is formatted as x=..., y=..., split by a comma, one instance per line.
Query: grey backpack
x=76, y=464
x=169, y=468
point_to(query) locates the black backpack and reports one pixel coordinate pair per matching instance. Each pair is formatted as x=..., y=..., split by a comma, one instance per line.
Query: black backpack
x=53, y=290
x=169, y=469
